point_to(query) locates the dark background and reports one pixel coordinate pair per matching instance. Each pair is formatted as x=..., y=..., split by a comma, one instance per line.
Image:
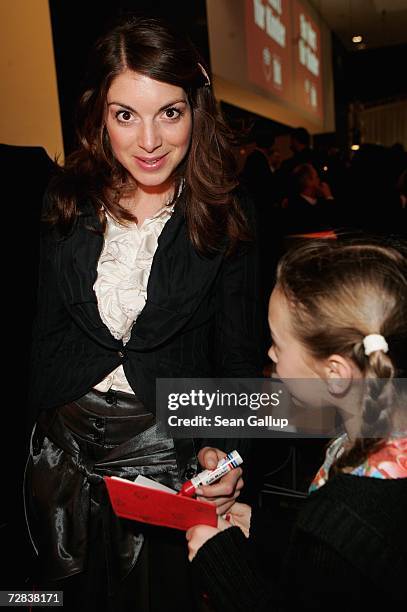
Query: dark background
x=363, y=75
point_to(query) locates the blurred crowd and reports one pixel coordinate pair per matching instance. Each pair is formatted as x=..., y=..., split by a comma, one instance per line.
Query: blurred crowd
x=327, y=190
x=322, y=193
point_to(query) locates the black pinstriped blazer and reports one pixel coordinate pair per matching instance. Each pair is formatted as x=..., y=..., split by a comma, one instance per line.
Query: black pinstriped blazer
x=201, y=317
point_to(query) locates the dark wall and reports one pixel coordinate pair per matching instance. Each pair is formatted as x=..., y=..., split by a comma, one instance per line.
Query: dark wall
x=377, y=74
x=76, y=24
x=365, y=76
x=341, y=90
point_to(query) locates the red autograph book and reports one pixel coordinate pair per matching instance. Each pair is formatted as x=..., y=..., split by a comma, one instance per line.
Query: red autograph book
x=150, y=502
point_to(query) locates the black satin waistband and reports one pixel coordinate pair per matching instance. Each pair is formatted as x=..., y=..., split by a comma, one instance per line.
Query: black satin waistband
x=107, y=419
x=72, y=449
x=111, y=403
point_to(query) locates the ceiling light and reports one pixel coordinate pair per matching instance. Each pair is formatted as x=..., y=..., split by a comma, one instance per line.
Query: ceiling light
x=357, y=38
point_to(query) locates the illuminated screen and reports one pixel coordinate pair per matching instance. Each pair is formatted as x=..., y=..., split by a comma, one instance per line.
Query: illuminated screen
x=307, y=62
x=269, y=52
x=276, y=52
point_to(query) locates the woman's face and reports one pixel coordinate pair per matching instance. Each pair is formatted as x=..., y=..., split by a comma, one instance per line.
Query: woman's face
x=149, y=125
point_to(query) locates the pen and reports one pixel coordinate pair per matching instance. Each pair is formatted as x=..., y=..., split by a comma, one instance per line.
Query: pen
x=207, y=477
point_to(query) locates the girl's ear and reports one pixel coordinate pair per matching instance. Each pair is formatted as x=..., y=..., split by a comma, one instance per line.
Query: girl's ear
x=338, y=373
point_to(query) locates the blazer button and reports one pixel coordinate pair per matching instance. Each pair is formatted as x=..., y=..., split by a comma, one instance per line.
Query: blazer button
x=111, y=397
x=121, y=354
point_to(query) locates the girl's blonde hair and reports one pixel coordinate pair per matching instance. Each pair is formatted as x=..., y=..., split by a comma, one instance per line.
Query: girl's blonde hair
x=339, y=293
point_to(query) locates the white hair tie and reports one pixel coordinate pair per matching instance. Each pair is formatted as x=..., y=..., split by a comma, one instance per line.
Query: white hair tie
x=375, y=342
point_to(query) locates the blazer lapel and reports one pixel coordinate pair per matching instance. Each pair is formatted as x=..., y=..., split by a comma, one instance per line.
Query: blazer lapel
x=76, y=261
x=179, y=278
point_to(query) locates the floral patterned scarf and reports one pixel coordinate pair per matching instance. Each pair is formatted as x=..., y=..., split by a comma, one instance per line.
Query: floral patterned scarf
x=390, y=461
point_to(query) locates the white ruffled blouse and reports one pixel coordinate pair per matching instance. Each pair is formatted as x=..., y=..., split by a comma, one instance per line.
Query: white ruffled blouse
x=122, y=276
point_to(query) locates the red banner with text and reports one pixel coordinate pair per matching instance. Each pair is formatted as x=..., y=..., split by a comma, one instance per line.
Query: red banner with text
x=284, y=52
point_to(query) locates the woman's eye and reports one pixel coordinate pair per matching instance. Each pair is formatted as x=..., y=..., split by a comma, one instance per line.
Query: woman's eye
x=124, y=116
x=172, y=113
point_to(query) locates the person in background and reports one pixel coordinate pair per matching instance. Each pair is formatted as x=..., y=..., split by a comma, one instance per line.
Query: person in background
x=262, y=185
x=300, y=145
x=401, y=205
x=257, y=174
x=311, y=207
x=402, y=189
x=148, y=270
x=20, y=278
x=274, y=159
x=338, y=315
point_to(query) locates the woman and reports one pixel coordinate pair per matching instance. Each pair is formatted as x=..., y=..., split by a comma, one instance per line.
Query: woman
x=338, y=316
x=147, y=272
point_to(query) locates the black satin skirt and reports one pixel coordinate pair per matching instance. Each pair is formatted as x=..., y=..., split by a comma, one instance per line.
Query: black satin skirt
x=100, y=561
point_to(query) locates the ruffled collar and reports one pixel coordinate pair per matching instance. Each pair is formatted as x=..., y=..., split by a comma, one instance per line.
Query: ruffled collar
x=124, y=268
x=163, y=213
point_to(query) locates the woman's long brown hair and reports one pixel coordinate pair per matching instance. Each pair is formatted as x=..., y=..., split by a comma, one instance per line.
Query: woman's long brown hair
x=208, y=172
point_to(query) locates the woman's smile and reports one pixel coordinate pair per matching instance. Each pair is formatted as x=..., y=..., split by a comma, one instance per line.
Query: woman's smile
x=151, y=164
x=149, y=125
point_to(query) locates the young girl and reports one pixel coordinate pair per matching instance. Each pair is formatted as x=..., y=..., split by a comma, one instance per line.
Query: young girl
x=338, y=314
x=147, y=272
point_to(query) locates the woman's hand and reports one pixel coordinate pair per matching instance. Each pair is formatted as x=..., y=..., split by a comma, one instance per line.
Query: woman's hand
x=324, y=191
x=224, y=492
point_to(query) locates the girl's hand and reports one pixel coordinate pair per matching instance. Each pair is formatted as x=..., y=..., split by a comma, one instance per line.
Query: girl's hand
x=224, y=492
x=239, y=515
x=197, y=536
